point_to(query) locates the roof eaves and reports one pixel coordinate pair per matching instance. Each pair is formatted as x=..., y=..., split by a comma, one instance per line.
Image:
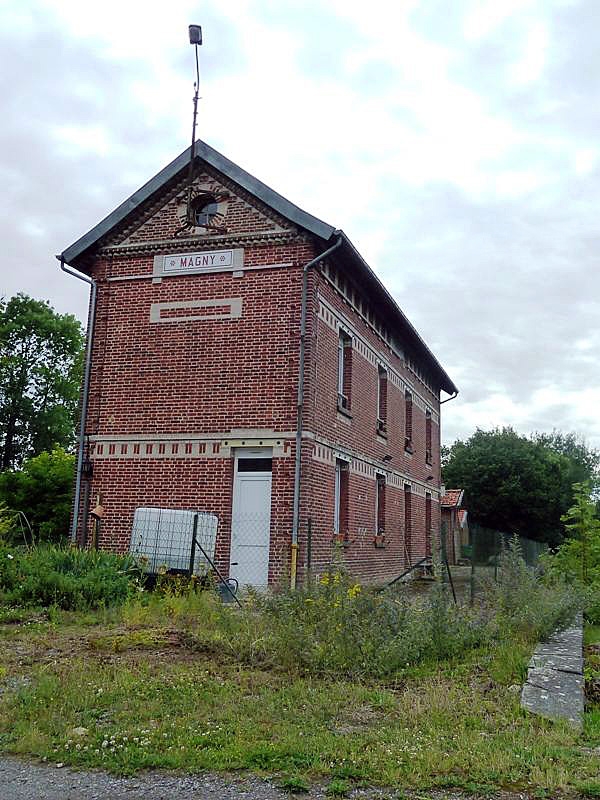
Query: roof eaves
x=221, y=163
x=447, y=383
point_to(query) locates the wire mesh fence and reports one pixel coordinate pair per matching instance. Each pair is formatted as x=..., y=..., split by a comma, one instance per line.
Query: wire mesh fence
x=480, y=560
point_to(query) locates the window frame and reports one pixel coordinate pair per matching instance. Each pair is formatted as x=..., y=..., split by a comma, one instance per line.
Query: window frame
x=340, y=498
x=344, y=370
x=380, y=483
x=408, y=422
x=408, y=522
x=428, y=438
x=382, y=387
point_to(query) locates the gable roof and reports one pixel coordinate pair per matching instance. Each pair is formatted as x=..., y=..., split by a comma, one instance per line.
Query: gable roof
x=321, y=230
x=453, y=498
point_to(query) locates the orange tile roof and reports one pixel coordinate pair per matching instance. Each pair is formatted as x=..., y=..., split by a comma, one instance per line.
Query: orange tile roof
x=452, y=498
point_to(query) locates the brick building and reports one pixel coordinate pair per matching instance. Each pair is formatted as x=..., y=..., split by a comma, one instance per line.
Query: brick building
x=455, y=523
x=195, y=402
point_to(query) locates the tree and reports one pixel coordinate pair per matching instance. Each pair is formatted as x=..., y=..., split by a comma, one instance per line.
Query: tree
x=42, y=490
x=584, y=460
x=41, y=358
x=512, y=483
x=583, y=527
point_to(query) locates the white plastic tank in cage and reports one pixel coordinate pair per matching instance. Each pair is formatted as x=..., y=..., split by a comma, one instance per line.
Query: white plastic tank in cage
x=162, y=539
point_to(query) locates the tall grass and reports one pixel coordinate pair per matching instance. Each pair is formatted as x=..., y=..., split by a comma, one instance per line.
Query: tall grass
x=338, y=628
x=51, y=575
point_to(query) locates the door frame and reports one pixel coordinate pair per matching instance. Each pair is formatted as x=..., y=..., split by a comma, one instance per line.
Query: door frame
x=240, y=454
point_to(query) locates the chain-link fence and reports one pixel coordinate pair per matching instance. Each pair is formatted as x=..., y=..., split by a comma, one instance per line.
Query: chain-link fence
x=479, y=561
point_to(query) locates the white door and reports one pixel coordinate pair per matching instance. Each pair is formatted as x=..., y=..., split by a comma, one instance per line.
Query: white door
x=251, y=518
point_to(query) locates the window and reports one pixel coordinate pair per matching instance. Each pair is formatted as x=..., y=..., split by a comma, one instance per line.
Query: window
x=380, y=506
x=381, y=400
x=407, y=524
x=408, y=415
x=204, y=210
x=428, y=459
x=340, y=508
x=344, y=371
x=428, y=525
x=254, y=465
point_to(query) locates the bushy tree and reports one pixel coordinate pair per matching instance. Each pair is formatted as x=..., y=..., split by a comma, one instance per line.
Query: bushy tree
x=513, y=483
x=41, y=355
x=42, y=490
x=578, y=557
x=583, y=461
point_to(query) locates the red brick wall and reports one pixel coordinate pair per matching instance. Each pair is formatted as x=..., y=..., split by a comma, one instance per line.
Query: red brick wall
x=208, y=381
x=355, y=438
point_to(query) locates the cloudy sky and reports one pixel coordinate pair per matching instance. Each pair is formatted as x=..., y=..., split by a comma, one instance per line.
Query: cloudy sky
x=456, y=143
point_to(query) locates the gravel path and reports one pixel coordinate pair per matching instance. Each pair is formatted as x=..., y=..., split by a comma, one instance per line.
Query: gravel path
x=26, y=780
x=23, y=780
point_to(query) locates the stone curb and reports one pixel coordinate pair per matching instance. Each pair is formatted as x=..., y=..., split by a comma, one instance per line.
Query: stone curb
x=555, y=687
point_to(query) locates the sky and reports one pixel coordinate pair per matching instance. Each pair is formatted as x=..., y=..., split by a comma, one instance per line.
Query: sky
x=455, y=143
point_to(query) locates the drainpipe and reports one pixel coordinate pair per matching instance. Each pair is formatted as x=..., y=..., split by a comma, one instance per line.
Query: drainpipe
x=86, y=387
x=442, y=532
x=300, y=412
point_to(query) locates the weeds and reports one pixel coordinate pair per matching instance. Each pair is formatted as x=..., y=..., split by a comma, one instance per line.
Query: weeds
x=525, y=604
x=378, y=689
x=64, y=577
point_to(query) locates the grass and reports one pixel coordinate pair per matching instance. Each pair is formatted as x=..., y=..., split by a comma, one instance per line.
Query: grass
x=147, y=697
x=591, y=634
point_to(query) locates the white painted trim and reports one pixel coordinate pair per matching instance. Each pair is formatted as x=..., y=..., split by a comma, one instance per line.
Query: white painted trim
x=326, y=453
x=208, y=271
x=234, y=303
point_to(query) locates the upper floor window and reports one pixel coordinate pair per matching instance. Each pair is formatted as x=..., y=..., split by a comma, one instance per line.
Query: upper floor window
x=408, y=422
x=381, y=400
x=428, y=456
x=344, y=371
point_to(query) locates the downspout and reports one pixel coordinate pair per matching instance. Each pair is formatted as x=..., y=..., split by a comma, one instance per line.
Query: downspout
x=442, y=524
x=85, y=394
x=300, y=408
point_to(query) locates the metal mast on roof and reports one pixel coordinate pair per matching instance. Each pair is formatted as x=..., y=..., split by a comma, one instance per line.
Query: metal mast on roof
x=195, y=32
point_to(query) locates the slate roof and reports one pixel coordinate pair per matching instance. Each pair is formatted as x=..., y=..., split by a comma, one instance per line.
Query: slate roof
x=453, y=498
x=77, y=251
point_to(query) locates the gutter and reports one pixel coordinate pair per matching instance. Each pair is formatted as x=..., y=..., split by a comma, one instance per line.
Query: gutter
x=86, y=387
x=300, y=405
x=452, y=397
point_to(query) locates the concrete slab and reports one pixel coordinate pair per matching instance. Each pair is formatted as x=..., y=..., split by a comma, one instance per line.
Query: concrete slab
x=555, y=687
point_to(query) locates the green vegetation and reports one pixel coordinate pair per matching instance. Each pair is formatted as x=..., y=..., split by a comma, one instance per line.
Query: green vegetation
x=578, y=557
x=123, y=689
x=336, y=682
x=41, y=356
x=518, y=484
x=63, y=577
x=42, y=490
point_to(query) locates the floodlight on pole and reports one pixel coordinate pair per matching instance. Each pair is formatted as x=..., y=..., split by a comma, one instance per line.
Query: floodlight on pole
x=195, y=34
